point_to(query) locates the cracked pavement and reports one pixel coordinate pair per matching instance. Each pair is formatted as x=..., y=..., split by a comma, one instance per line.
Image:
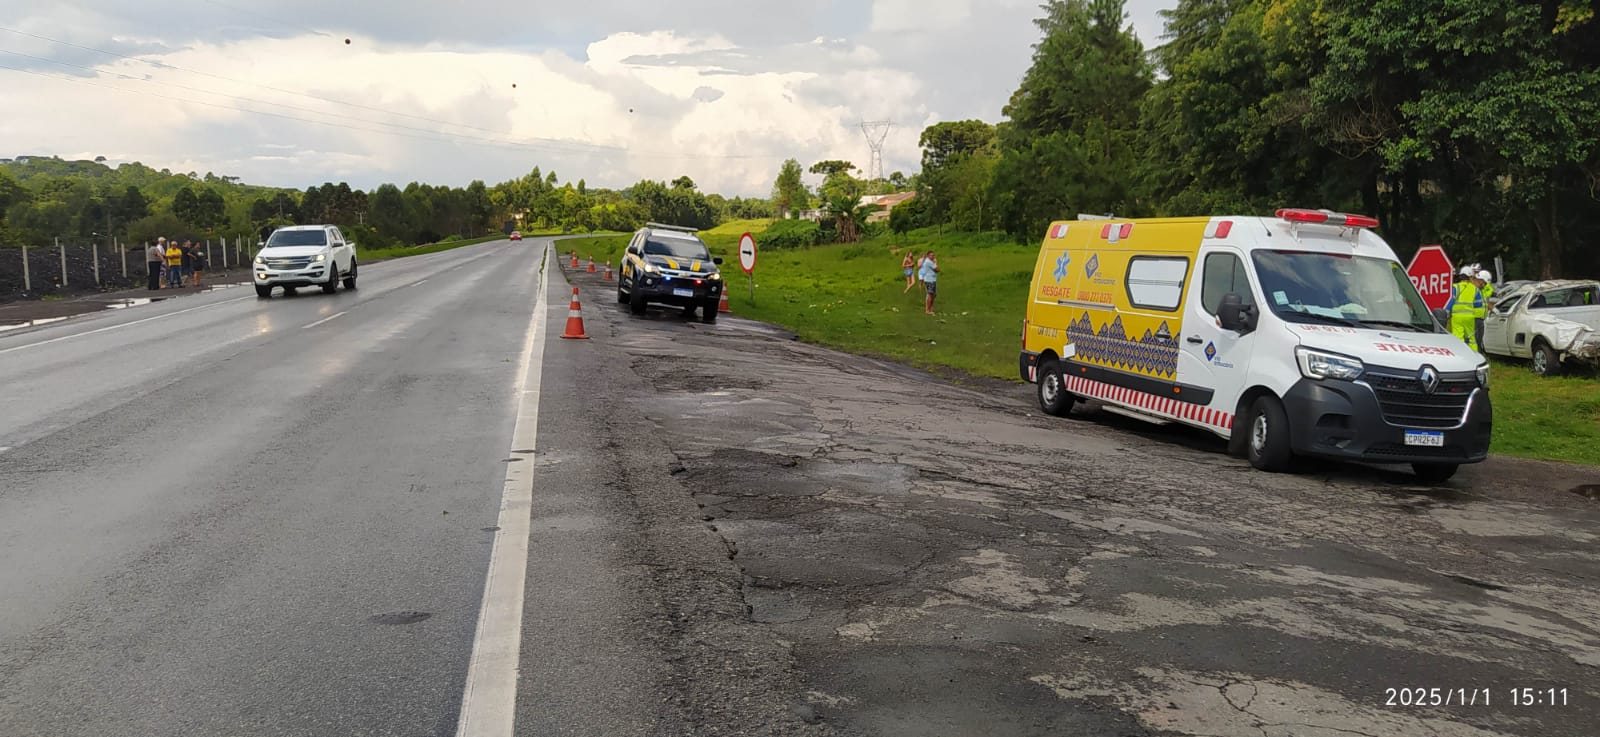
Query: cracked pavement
x=940, y=559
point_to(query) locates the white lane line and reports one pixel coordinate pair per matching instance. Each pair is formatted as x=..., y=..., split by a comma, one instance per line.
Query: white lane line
x=418, y=284
x=327, y=319
x=121, y=326
x=489, y=703
x=4, y=448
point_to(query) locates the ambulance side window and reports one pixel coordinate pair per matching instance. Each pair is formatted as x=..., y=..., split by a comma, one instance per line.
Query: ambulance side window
x=1225, y=274
x=1156, y=283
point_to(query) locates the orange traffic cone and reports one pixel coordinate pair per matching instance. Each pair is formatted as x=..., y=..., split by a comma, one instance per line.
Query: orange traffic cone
x=574, y=259
x=575, y=320
x=723, y=306
x=591, y=264
x=607, y=277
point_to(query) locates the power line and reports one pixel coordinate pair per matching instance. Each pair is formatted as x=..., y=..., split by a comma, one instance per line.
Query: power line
x=264, y=16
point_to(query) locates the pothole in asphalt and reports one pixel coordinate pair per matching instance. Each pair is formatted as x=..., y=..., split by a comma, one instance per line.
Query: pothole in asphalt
x=1470, y=581
x=397, y=618
x=1587, y=491
x=490, y=529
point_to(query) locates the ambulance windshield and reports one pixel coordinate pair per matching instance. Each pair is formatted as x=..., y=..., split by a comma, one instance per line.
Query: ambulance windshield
x=1330, y=288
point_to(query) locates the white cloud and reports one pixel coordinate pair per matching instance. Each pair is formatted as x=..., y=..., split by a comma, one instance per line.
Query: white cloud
x=612, y=90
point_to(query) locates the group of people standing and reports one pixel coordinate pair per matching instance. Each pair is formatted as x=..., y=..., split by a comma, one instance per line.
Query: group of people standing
x=180, y=263
x=1470, y=299
x=924, y=269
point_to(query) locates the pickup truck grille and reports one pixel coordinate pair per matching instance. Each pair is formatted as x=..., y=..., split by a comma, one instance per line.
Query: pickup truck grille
x=298, y=262
x=1405, y=403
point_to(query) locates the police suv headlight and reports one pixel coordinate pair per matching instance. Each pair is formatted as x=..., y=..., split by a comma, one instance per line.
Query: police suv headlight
x=714, y=277
x=648, y=268
x=1483, y=375
x=1316, y=364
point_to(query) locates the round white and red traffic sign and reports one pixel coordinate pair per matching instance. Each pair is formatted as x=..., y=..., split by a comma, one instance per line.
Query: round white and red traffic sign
x=1432, y=274
x=747, y=253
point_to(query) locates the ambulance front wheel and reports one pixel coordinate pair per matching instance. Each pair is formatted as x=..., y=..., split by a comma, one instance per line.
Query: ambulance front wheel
x=1053, y=396
x=1267, y=444
x=1434, y=473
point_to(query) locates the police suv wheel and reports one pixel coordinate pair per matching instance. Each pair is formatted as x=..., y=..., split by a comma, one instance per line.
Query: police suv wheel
x=636, y=302
x=1268, y=440
x=622, y=297
x=1053, y=397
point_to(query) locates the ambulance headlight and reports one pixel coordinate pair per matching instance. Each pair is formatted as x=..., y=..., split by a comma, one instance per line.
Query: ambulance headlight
x=1483, y=375
x=1321, y=365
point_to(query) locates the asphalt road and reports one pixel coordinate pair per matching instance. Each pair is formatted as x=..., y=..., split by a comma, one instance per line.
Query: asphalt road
x=227, y=516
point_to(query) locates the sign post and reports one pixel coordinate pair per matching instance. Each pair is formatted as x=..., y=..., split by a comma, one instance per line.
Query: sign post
x=747, y=260
x=1432, y=275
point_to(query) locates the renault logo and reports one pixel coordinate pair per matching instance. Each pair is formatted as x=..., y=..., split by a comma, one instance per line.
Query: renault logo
x=1429, y=378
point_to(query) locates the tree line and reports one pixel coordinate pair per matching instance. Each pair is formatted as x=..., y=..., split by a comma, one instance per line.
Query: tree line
x=42, y=199
x=1475, y=125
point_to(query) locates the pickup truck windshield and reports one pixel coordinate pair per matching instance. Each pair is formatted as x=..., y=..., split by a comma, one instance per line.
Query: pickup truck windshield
x=677, y=248
x=1326, y=287
x=298, y=238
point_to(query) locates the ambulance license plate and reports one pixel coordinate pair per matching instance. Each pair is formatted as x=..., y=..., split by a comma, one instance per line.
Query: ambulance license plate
x=683, y=292
x=1425, y=438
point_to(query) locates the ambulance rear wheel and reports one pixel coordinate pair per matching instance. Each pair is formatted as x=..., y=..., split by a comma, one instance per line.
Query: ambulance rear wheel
x=1053, y=396
x=1268, y=446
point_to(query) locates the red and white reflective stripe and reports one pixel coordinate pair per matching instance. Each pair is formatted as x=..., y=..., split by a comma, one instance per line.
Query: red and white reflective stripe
x=1219, y=229
x=1149, y=402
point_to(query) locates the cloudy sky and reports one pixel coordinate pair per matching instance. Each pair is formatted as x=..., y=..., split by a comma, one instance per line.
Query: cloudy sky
x=446, y=91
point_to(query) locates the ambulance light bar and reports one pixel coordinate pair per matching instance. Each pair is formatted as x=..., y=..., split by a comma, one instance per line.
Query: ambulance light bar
x=1327, y=217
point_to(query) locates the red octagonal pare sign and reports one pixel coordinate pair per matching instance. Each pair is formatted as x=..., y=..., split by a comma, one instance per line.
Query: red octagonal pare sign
x=1431, y=272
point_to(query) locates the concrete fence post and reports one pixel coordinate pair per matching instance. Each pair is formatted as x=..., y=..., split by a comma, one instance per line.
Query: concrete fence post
x=224, y=252
x=63, y=250
x=208, y=252
x=122, y=248
x=27, y=278
x=94, y=253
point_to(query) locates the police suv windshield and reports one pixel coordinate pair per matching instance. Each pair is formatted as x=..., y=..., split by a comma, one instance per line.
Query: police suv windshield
x=689, y=248
x=1359, y=291
x=282, y=238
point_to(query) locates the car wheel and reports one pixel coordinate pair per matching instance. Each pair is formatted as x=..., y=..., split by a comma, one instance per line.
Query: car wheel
x=1546, y=362
x=1053, y=397
x=333, y=280
x=1434, y=473
x=350, y=278
x=263, y=292
x=1268, y=446
x=622, y=297
x=708, y=312
x=636, y=302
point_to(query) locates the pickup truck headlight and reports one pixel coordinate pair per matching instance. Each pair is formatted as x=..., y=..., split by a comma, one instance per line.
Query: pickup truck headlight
x=1483, y=375
x=260, y=261
x=319, y=258
x=1316, y=364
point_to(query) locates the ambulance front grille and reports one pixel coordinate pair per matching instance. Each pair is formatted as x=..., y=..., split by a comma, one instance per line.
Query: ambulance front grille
x=1405, y=403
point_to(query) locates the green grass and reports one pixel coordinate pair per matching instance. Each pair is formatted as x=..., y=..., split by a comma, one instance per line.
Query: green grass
x=1548, y=418
x=384, y=254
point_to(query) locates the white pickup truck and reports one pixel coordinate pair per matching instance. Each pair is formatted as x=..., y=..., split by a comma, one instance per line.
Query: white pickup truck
x=305, y=256
x=1548, y=322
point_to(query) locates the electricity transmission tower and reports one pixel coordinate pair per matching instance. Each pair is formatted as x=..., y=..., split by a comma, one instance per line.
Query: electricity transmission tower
x=876, y=131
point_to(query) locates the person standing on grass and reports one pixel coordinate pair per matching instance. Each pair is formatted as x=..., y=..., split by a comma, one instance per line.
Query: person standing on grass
x=174, y=265
x=197, y=256
x=155, y=261
x=909, y=265
x=929, y=274
x=188, y=260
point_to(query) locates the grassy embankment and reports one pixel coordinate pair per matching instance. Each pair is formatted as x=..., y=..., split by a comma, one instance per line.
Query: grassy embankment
x=853, y=298
x=384, y=254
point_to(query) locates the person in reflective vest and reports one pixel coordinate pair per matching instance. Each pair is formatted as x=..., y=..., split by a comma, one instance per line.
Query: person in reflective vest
x=1486, y=289
x=1465, y=302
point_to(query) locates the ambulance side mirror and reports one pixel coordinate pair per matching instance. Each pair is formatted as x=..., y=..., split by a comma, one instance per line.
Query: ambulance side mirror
x=1235, y=315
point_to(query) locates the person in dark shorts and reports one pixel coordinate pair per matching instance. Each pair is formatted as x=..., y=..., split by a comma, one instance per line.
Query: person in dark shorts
x=929, y=274
x=188, y=263
x=197, y=257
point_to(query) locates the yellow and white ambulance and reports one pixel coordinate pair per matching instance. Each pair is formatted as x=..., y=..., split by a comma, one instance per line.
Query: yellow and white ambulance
x=1298, y=334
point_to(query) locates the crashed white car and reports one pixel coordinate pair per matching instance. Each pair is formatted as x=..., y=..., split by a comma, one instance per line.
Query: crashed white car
x=1548, y=322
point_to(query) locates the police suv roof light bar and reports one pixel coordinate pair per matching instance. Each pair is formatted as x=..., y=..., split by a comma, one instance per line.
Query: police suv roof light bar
x=679, y=228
